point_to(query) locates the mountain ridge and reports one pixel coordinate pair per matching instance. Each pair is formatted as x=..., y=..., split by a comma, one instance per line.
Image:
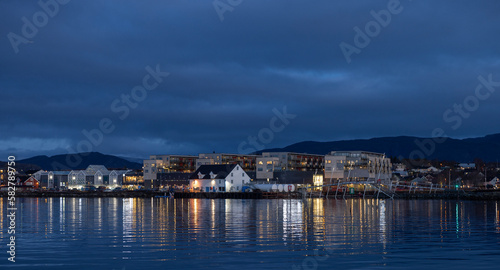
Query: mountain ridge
x=79, y=161
x=461, y=150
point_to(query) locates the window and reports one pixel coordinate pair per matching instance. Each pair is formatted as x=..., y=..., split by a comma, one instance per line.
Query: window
x=269, y=162
x=237, y=167
x=243, y=174
x=260, y=162
x=231, y=181
x=231, y=174
x=259, y=169
x=220, y=181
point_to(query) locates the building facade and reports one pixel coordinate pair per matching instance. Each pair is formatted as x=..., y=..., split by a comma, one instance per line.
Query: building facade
x=271, y=164
x=357, y=166
x=94, y=175
x=247, y=162
x=219, y=178
x=165, y=164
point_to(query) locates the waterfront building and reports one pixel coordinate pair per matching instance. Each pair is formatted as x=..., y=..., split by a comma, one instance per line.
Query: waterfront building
x=357, y=166
x=93, y=175
x=219, y=178
x=164, y=166
x=247, y=162
x=32, y=182
x=131, y=178
x=289, y=167
x=45, y=178
x=76, y=179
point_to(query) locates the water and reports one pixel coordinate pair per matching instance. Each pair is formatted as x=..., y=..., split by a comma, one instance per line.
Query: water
x=161, y=233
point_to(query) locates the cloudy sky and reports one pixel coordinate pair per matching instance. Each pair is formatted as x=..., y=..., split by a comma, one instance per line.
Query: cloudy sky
x=71, y=72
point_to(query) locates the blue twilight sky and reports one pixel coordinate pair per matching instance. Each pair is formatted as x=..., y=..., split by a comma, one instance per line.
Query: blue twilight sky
x=67, y=66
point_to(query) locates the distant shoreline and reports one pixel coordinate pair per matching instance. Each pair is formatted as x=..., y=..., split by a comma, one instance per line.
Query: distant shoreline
x=461, y=195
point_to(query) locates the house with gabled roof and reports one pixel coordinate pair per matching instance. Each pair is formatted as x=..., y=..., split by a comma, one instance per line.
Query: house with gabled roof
x=116, y=177
x=76, y=178
x=45, y=178
x=219, y=178
x=32, y=182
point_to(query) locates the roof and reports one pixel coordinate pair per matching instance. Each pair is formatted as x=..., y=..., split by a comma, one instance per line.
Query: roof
x=121, y=171
x=92, y=169
x=61, y=172
x=220, y=171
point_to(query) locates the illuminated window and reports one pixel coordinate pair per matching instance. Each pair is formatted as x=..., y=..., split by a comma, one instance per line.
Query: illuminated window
x=260, y=162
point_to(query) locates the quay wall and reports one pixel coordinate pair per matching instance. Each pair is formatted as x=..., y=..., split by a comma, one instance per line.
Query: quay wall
x=461, y=195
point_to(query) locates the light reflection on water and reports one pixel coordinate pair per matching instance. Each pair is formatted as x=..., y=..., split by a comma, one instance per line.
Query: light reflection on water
x=134, y=233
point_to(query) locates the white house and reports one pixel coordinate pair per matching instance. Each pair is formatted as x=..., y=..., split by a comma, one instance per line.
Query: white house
x=45, y=178
x=219, y=178
x=116, y=177
x=76, y=179
x=95, y=174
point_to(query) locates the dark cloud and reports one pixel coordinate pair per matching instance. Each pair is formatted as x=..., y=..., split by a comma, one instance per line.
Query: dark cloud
x=227, y=77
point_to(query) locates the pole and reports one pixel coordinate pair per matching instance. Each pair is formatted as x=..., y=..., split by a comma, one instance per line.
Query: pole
x=485, y=182
x=337, y=189
x=333, y=168
x=449, y=178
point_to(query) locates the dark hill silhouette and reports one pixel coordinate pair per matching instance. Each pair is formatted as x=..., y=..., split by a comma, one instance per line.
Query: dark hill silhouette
x=462, y=150
x=80, y=161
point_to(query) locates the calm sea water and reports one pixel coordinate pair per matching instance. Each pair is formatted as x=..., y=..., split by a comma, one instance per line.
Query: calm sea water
x=161, y=233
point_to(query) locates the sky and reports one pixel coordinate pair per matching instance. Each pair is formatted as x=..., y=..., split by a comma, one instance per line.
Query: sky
x=136, y=78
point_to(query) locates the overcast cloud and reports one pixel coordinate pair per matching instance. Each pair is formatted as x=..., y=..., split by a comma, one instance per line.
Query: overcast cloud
x=226, y=77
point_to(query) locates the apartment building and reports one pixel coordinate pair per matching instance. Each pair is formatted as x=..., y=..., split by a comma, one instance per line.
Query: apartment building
x=247, y=162
x=357, y=166
x=272, y=164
